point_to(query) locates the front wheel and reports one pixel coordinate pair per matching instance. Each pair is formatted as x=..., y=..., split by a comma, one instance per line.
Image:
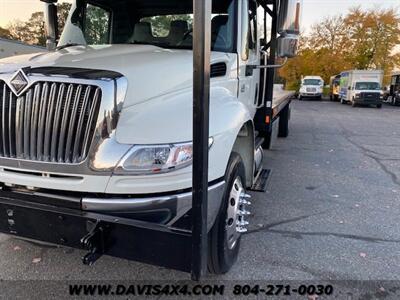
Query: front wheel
x=224, y=237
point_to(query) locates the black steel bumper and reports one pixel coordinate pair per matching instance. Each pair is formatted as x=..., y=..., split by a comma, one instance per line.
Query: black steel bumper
x=97, y=233
x=367, y=101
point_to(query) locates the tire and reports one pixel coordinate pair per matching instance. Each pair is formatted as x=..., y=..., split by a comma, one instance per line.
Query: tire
x=300, y=98
x=342, y=101
x=284, y=122
x=353, y=104
x=331, y=97
x=379, y=106
x=222, y=253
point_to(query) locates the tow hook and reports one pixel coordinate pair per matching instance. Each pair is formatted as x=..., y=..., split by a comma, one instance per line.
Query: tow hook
x=94, y=242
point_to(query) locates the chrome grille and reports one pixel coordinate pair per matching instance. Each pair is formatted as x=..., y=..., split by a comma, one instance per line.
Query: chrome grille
x=50, y=122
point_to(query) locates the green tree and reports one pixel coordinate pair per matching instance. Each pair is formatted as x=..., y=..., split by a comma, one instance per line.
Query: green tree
x=4, y=33
x=33, y=31
x=359, y=40
x=62, y=14
x=161, y=24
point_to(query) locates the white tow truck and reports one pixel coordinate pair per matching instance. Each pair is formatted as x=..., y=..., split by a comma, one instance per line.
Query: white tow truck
x=96, y=149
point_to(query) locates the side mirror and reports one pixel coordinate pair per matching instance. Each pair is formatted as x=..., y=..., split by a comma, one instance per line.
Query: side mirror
x=287, y=46
x=50, y=14
x=289, y=16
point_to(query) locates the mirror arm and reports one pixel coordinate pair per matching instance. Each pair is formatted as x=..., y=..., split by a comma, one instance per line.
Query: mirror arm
x=251, y=68
x=272, y=66
x=51, y=21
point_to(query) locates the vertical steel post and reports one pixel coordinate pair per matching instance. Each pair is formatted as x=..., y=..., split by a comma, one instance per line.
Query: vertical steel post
x=201, y=102
x=263, y=119
x=271, y=61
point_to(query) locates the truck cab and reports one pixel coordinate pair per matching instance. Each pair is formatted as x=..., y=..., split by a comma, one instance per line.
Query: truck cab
x=311, y=87
x=334, y=88
x=100, y=128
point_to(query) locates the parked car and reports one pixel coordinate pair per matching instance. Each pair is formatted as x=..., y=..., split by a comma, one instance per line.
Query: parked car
x=361, y=87
x=311, y=87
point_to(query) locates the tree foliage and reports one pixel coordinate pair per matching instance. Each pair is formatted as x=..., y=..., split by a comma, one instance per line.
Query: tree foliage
x=33, y=31
x=4, y=33
x=161, y=24
x=362, y=39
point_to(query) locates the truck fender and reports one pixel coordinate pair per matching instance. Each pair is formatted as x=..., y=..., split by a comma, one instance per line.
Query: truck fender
x=168, y=119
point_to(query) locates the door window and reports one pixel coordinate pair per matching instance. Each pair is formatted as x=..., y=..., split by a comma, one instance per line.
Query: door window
x=97, y=25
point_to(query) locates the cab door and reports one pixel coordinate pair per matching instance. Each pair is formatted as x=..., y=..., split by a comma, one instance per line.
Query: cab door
x=249, y=77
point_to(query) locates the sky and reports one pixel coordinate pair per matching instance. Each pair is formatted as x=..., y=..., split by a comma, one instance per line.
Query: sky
x=313, y=10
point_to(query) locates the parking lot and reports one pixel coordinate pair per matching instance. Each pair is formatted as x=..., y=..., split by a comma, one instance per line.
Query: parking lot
x=331, y=211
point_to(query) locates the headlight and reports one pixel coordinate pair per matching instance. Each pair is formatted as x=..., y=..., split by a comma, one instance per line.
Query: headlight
x=155, y=159
x=358, y=95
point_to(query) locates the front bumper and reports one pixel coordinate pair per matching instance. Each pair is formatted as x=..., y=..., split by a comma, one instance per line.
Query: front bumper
x=367, y=101
x=311, y=94
x=167, y=209
x=108, y=225
x=97, y=233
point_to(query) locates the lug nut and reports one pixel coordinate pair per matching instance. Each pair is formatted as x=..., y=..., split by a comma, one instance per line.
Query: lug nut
x=242, y=223
x=241, y=229
x=243, y=213
x=244, y=202
x=244, y=196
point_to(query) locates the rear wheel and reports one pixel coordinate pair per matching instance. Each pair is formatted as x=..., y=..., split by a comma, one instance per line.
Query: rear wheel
x=224, y=237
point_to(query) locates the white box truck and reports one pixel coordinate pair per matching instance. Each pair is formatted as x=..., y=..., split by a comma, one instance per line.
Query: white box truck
x=97, y=149
x=361, y=87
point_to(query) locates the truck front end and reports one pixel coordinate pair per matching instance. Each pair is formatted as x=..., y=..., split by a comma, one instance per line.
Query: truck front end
x=97, y=134
x=367, y=93
x=311, y=87
x=96, y=149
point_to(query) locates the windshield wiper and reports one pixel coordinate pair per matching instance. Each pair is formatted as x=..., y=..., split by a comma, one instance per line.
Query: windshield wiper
x=68, y=45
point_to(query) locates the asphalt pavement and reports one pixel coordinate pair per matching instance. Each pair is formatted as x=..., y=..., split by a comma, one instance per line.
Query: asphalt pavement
x=331, y=212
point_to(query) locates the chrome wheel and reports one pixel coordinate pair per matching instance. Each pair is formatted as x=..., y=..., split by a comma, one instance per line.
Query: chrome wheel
x=235, y=220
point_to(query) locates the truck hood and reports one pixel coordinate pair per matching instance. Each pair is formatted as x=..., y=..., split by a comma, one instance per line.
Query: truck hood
x=151, y=71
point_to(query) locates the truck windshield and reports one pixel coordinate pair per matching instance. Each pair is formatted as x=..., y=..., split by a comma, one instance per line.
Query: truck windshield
x=312, y=82
x=166, y=24
x=360, y=86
